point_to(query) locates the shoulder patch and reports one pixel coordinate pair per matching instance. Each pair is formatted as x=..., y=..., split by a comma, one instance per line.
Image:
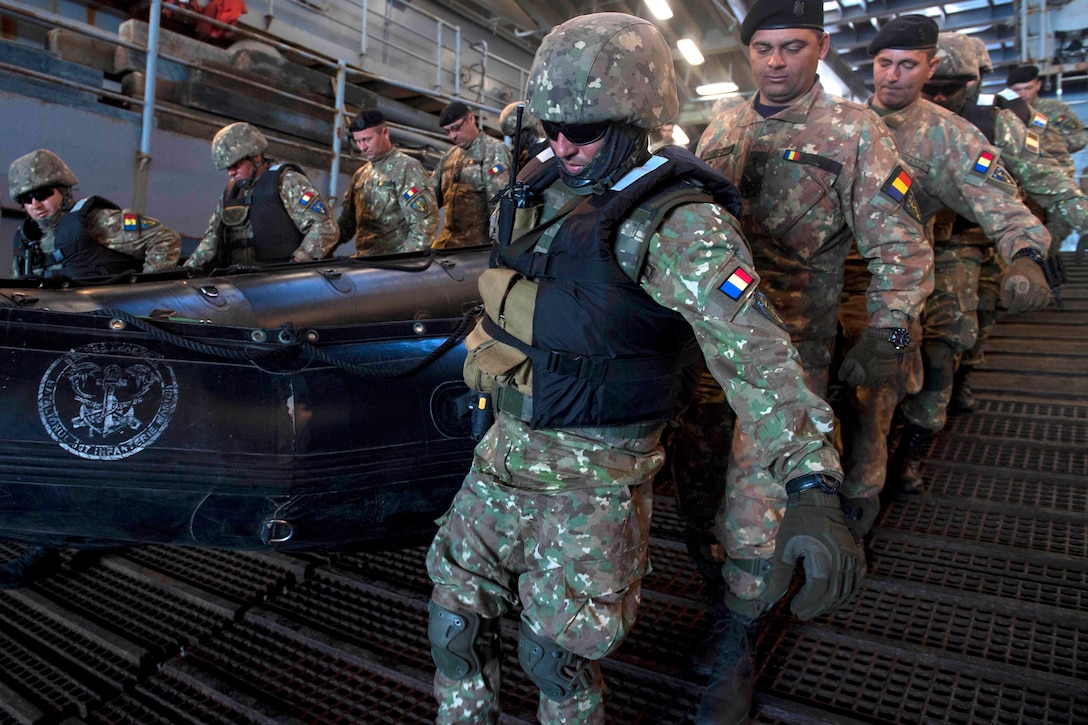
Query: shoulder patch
x=1031, y=142
x=131, y=222
x=983, y=163
x=898, y=184
x=765, y=308
x=736, y=284
x=496, y=169
x=410, y=193
x=1039, y=121
x=1001, y=176
x=306, y=198
x=318, y=207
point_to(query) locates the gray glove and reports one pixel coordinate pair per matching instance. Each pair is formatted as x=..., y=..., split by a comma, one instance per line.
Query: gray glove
x=1024, y=287
x=814, y=531
x=871, y=362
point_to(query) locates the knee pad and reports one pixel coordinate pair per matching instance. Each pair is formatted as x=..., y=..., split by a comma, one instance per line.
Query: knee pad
x=558, y=672
x=461, y=642
x=939, y=361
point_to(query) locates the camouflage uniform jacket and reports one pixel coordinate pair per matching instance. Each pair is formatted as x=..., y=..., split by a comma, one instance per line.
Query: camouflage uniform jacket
x=122, y=230
x=389, y=207
x=955, y=167
x=304, y=205
x=696, y=261
x=464, y=182
x=817, y=176
x=1065, y=121
x=1040, y=176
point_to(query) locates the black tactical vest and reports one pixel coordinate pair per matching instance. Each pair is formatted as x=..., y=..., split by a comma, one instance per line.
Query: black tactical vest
x=604, y=352
x=255, y=227
x=79, y=255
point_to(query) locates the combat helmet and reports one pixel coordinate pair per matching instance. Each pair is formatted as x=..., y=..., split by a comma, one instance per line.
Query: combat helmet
x=603, y=67
x=508, y=121
x=985, y=62
x=236, y=142
x=37, y=169
x=958, y=58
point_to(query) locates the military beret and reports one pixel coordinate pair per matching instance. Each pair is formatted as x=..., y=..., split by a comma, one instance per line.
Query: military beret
x=907, y=32
x=1022, y=74
x=452, y=113
x=367, y=119
x=777, y=14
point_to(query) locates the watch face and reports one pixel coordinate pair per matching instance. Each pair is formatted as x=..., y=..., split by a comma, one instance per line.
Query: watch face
x=899, y=337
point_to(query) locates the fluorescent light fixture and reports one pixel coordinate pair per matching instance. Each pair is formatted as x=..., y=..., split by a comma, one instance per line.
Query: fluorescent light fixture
x=717, y=89
x=660, y=9
x=690, y=51
x=679, y=137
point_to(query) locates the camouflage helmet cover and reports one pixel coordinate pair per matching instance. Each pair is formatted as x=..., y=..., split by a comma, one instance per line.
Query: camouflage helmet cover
x=958, y=58
x=236, y=142
x=985, y=62
x=37, y=169
x=508, y=121
x=603, y=67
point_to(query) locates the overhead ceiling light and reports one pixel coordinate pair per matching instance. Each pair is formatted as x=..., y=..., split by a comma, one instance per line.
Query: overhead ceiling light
x=679, y=137
x=690, y=51
x=717, y=89
x=660, y=9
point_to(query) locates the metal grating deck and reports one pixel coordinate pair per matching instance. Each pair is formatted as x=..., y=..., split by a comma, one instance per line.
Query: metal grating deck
x=975, y=609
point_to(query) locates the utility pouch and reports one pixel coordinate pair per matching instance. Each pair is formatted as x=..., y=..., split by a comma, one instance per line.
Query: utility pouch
x=235, y=216
x=509, y=300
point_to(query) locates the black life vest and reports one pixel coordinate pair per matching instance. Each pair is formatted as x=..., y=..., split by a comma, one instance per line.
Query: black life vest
x=604, y=352
x=78, y=253
x=255, y=227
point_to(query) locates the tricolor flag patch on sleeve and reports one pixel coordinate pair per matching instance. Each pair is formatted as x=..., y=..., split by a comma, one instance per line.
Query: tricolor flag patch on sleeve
x=131, y=222
x=898, y=184
x=1039, y=121
x=736, y=284
x=791, y=155
x=306, y=198
x=496, y=169
x=983, y=163
x=410, y=193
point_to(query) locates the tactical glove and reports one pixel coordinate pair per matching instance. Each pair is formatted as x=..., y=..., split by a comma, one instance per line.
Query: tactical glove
x=1024, y=287
x=873, y=361
x=814, y=531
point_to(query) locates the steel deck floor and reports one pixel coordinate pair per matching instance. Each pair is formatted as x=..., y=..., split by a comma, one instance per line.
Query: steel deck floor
x=975, y=609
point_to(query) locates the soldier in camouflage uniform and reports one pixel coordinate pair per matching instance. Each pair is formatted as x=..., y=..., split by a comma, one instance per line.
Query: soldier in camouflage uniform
x=817, y=173
x=956, y=168
x=90, y=238
x=554, y=515
x=389, y=208
x=1025, y=81
x=467, y=178
x=1039, y=175
x=269, y=212
x=532, y=134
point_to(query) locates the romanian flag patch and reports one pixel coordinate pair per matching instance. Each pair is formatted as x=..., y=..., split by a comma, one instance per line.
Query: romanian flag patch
x=410, y=193
x=496, y=169
x=791, y=155
x=736, y=284
x=306, y=198
x=131, y=222
x=898, y=184
x=1039, y=121
x=983, y=163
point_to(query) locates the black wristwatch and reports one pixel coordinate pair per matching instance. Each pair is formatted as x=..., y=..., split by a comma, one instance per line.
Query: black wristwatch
x=899, y=337
x=822, y=481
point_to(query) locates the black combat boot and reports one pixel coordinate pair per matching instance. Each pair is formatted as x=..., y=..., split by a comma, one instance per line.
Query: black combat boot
x=728, y=696
x=911, y=448
x=37, y=562
x=963, y=398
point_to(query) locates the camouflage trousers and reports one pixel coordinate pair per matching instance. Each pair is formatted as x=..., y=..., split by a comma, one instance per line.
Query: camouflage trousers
x=555, y=522
x=989, y=294
x=865, y=414
x=949, y=329
x=716, y=469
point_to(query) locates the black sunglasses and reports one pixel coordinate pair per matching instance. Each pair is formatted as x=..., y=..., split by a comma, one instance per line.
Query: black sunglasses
x=40, y=194
x=577, y=133
x=943, y=88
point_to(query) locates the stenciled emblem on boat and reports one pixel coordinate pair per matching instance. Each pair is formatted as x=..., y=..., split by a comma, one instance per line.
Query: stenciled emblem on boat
x=107, y=401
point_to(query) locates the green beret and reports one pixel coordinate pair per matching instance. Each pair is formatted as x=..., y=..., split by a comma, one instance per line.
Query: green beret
x=778, y=14
x=907, y=32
